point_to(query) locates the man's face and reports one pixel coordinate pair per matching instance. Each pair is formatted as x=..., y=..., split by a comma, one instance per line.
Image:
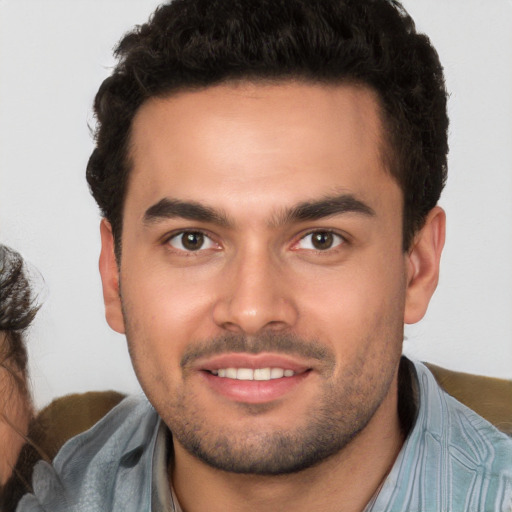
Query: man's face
x=262, y=240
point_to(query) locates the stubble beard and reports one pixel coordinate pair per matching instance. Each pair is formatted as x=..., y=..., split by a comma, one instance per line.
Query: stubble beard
x=348, y=403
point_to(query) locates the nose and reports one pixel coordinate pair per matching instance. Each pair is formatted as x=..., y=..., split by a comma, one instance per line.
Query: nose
x=255, y=296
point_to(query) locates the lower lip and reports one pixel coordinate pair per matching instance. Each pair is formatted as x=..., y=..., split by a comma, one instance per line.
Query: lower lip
x=254, y=391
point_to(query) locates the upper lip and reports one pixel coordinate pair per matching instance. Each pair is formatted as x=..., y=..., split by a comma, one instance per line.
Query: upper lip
x=253, y=361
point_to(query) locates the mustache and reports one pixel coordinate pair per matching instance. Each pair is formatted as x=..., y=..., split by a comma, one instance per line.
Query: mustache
x=287, y=344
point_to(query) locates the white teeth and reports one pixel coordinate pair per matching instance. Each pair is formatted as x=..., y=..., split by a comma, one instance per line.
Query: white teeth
x=262, y=374
x=276, y=373
x=231, y=373
x=245, y=374
x=250, y=374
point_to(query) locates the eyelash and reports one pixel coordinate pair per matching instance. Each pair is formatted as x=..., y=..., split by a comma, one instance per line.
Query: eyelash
x=176, y=235
x=342, y=240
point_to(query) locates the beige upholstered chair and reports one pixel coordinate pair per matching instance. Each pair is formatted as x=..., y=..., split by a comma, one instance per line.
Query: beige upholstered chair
x=489, y=397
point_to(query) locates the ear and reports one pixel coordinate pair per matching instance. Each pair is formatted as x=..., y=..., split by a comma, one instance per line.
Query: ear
x=110, y=279
x=423, y=265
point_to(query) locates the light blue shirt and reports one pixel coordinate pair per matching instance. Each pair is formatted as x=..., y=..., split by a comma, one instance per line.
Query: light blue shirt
x=452, y=461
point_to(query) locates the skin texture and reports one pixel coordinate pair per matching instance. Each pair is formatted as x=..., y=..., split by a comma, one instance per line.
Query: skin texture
x=15, y=414
x=252, y=155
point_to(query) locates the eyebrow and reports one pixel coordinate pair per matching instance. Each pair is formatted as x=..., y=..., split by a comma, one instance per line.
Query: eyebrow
x=323, y=208
x=168, y=208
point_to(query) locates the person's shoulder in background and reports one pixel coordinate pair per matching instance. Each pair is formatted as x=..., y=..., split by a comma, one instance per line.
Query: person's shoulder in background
x=62, y=419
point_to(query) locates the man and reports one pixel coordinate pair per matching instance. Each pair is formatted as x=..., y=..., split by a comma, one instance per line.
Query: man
x=268, y=173
x=17, y=311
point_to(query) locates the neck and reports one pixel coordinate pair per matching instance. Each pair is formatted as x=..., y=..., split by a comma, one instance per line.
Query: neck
x=350, y=477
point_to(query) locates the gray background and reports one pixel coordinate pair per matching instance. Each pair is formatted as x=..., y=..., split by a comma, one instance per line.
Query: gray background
x=53, y=57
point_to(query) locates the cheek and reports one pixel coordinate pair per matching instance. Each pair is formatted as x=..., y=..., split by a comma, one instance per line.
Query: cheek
x=162, y=296
x=163, y=312
x=353, y=307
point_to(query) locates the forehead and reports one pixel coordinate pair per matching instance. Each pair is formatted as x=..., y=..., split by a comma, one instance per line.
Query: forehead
x=227, y=144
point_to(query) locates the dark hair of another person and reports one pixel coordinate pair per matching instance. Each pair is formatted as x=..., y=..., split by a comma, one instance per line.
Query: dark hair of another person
x=192, y=44
x=17, y=310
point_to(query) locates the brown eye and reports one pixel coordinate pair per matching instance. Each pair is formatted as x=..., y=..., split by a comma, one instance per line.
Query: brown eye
x=320, y=241
x=191, y=241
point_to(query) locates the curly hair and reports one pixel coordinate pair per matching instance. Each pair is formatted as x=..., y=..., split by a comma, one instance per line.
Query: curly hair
x=192, y=44
x=17, y=310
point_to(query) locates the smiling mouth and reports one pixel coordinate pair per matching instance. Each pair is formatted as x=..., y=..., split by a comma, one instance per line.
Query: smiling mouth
x=254, y=379
x=259, y=374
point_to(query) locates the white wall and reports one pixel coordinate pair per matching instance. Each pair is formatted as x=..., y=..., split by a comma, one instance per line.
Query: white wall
x=54, y=55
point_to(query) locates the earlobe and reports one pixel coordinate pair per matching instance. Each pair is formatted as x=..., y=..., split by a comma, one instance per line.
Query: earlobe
x=110, y=279
x=423, y=265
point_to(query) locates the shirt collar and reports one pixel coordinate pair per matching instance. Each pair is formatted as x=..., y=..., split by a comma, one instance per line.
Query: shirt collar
x=163, y=497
